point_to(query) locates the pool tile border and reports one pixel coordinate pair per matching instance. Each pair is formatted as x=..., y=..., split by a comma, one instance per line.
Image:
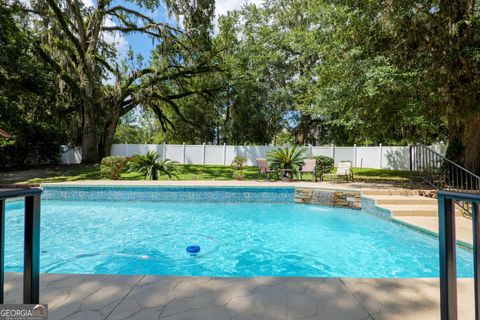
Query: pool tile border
x=170, y=193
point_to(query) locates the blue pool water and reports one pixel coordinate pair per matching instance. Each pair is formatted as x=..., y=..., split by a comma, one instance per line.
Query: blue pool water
x=236, y=239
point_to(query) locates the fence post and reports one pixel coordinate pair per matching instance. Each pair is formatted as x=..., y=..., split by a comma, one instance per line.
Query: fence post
x=184, y=149
x=333, y=152
x=310, y=149
x=354, y=155
x=164, y=151
x=126, y=149
x=224, y=153
x=203, y=154
x=380, y=156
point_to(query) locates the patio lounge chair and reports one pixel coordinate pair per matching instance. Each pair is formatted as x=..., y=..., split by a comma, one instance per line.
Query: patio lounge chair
x=309, y=167
x=344, y=170
x=263, y=169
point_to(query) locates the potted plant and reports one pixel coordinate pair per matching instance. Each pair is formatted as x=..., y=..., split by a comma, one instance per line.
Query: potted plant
x=287, y=160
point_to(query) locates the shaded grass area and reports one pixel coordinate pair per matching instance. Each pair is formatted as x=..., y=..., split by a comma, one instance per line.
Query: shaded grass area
x=62, y=173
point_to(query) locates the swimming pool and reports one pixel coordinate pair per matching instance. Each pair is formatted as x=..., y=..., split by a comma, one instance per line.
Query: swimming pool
x=237, y=239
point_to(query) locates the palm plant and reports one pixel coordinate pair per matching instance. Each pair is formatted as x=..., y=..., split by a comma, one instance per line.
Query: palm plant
x=237, y=164
x=287, y=158
x=148, y=165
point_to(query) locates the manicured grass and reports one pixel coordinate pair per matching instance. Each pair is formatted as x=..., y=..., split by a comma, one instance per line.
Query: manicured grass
x=63, y=173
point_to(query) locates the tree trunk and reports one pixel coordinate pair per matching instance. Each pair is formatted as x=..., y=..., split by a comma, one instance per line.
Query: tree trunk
x=89, y=137
x=108, y=133
x=464, y=140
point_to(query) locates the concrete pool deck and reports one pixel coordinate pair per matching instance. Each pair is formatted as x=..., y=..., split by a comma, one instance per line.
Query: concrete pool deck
x=203, y=298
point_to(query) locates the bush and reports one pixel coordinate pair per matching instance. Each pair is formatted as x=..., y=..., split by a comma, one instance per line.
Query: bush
x=112, y=167
x=149, y=165
x=287, y=158
x=237, y=164
x=238, y=175
x=33, y=145
x=324, y=165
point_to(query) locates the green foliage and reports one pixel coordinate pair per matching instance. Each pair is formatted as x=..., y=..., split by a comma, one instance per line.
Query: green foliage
x=284, y=138
x=287, y=158
x=31, y=106
x=238, y=164
x=112, y=167
x=323, y=165
x=238, y=175
x=149, y=165
x=34, y=144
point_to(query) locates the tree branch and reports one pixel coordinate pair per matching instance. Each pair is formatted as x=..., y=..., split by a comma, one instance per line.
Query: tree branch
x=61, y=19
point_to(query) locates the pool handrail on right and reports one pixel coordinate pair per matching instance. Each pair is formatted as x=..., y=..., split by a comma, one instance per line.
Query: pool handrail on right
x=447, y=238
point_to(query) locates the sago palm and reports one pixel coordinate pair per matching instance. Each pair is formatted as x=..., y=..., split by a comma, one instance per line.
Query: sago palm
x=149, y=166
x=287, y=158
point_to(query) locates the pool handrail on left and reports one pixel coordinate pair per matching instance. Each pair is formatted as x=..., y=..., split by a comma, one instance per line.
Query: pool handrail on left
x=31, y=273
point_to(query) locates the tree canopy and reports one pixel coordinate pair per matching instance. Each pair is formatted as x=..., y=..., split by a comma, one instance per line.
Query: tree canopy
x=312, y=71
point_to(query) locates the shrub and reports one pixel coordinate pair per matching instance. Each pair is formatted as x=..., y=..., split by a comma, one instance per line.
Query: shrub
x=238, y=175
x=287, y=158
x=33, y=145
x=112, y=167
x=237, y=164
x=324, y=165
x=148, y=165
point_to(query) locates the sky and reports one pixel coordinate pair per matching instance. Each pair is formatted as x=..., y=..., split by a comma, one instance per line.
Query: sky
x=143, y=44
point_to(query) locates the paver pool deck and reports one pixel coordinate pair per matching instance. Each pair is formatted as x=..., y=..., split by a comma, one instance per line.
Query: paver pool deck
x=91, y=297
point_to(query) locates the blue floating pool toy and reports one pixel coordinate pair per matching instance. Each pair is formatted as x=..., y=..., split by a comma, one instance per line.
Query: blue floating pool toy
x=193, y=249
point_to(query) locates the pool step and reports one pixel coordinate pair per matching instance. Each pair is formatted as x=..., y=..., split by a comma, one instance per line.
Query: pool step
x=391, y=192
x=404, y=203
x=401, y=200
x=423, y=210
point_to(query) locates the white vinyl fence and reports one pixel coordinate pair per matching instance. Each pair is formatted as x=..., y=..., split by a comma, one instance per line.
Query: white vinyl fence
x=378, y=157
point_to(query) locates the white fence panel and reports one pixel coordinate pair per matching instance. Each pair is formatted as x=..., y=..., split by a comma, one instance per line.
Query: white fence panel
x=396, y=158
x=174, y=152
x=230, y=154
x=368, y=157
x=214, y=155
x=194, y=154
x=344, y=154
x=119, y=150
x=71, y=155
x=322, y=151
x=253, y=152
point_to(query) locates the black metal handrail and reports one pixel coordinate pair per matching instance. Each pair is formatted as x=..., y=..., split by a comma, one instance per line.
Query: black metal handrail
x=440, y=172
x=447, y=238
x=31, y=269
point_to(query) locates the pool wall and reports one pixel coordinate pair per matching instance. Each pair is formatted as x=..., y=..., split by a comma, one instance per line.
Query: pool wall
x=170, y=193
x=327, y=197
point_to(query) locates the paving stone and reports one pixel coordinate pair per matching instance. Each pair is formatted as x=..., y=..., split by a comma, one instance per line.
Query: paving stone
x=264, y=298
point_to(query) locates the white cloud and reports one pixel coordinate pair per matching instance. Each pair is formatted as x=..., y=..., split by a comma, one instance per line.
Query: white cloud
x=223, y=6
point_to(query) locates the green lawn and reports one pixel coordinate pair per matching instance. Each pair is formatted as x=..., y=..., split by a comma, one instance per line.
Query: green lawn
x=62, y=173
